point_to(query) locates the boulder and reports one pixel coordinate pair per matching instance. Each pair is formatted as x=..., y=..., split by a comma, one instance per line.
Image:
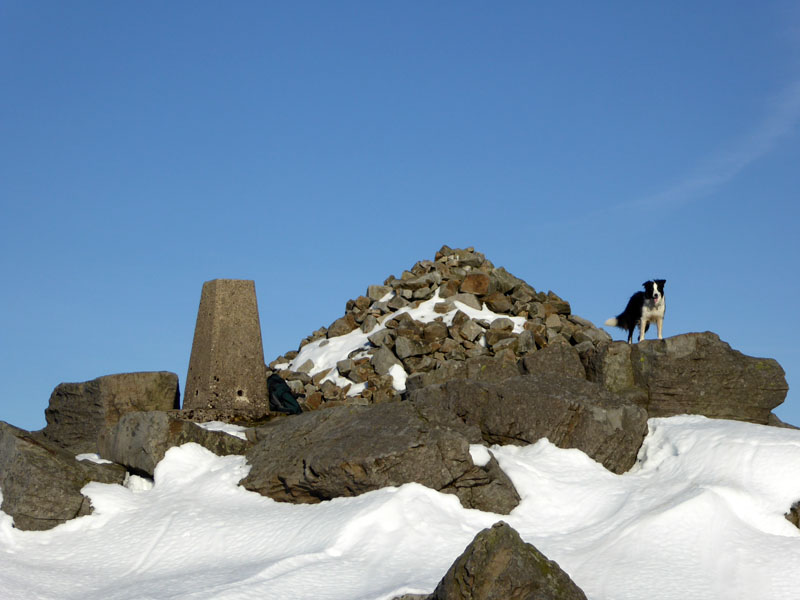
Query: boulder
x=383, y=360
x=482, y=368
x=78, y=412
x=560, y=360
x=479, y=284
x=41, y=483
x=693, y=373
x=349, y=450
x=342, y=326
x=570, y=412
x=140, y=440
x=499, y=565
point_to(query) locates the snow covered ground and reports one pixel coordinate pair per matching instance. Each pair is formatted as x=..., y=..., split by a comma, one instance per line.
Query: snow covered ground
x=700, y=516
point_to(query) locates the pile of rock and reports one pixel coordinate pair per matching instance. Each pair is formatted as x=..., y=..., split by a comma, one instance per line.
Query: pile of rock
x=515, y=320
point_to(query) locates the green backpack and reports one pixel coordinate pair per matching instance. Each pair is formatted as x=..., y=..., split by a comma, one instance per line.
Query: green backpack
x=281, y=398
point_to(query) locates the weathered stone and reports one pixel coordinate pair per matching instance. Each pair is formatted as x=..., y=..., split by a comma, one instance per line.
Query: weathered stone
x=376, y=293
x=493, y=336
x=422, y=294
x=526, y=342
x=346, y=451
x=397, y=303
x=499, y=565
x=318, y=377
x=369, y=323
x=342, y=326
x=509, y=344
x=78, y=412
x=498, y=302
x=449, y=288
x=555, y=304
x=419, y=364
x=502, y=323
x=429, y=280
x=504, y=282
x=560, y=360
x=469, y=299
x=434, y=331
x=344, y=366
x=330, y=391
x=226, y=367
x=383, y=360
x=140, y=440
x=383, y=338
x=693, y=373
x=553, y=322
x=465, y=257
x=479, y=284
x=306, y=367
x=41, y=483
x=590, y=334
x=299, y=375
x=477, y=350
x=443, y=308
x=493, y=369
x=570, y=412
x=422, y=266
x=470, y=330
x=408, y=346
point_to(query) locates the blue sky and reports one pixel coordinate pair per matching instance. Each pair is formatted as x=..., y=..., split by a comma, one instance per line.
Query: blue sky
x=319, y=147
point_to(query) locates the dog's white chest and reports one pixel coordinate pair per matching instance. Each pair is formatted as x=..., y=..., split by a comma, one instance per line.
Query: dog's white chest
x=652, y=311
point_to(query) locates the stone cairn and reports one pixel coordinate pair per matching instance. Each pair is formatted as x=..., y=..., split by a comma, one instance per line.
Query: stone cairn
x=458, y=275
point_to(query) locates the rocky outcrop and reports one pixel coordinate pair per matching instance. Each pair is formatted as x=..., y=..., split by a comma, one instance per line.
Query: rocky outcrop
x=515, y=321
x=41, y=483
x=453, y=352
x=499, y=565
x=139, y=440
x=79, y=412
x=693, y=373
x=349, y=450
x=570, y=412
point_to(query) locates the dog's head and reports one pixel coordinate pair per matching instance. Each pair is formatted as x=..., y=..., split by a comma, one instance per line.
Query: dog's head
x=654, y=290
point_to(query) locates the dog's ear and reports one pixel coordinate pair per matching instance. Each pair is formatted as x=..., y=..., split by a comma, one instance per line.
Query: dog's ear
x=644, y=285
x=661, y=283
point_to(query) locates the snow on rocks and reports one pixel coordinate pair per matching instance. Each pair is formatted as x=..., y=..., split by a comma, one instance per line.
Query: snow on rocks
x=700, y=516
x=456, y=307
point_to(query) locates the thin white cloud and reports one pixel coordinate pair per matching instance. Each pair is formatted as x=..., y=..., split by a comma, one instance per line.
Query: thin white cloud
x=781, y=121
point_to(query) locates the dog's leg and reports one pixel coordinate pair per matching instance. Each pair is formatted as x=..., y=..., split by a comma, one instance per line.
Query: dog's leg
x=642, y=328
x=660, y=324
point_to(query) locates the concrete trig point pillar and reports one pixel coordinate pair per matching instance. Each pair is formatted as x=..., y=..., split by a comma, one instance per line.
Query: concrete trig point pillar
x=226, y=368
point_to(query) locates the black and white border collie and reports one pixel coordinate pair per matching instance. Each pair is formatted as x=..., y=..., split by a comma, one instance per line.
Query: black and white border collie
x=643, y=308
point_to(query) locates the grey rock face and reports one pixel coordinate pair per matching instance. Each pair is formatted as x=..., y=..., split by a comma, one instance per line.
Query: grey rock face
x=570, y=412
x=349, y=450
x=693, y=373
x=41, y=483
x=140, y=440
x=482, y=368
x=499, y=565
x=560, y=360
x=78, y=412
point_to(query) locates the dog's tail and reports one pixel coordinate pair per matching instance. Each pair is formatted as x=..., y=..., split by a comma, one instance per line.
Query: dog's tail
x=613, y=322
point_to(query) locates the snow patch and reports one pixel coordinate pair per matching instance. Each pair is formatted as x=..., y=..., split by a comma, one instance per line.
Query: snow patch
x=700, y=516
